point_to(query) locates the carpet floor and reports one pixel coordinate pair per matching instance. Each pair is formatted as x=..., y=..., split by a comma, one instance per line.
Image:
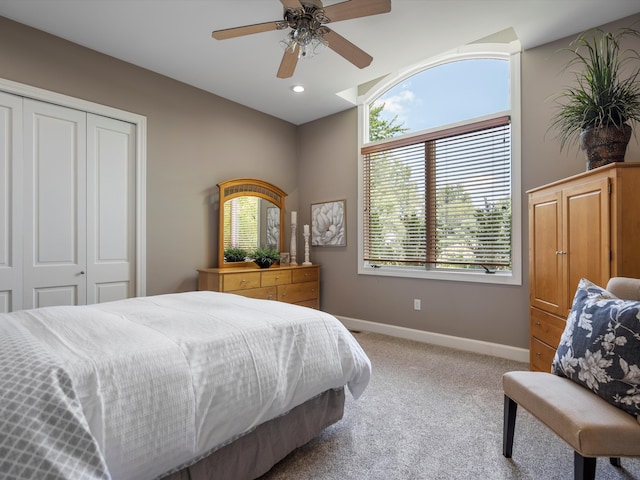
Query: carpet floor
x=433, y=413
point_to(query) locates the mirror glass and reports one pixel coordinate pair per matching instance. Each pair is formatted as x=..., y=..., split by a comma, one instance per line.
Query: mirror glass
x=251, y=216
x=251, y=222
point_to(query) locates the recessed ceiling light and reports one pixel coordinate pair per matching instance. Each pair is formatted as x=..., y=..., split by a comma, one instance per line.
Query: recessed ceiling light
x=298, y=88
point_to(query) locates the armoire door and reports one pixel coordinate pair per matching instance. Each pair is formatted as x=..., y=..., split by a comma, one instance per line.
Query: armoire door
x=545, y=246
x=586, y=236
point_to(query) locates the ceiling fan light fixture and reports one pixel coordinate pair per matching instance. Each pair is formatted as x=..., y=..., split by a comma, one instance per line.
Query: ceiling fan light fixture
x=307, y=32
x=308, y=35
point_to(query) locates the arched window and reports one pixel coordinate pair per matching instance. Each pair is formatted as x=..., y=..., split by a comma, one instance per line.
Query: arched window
x=439, y=172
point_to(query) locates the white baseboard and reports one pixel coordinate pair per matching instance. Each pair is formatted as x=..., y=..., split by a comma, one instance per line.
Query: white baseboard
x=466, y=344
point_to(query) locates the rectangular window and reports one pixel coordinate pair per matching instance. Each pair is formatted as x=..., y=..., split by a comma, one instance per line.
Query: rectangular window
x=440, y=200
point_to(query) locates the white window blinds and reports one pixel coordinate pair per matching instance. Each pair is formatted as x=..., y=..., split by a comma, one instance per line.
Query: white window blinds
x=441, y=198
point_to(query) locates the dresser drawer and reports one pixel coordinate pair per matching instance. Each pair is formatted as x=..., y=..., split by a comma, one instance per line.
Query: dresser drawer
x=298, y=292
x=265, y=293
x=240, y=281
x=540, y=356
x=305, y=275
x=275, y=276
x=546, y=327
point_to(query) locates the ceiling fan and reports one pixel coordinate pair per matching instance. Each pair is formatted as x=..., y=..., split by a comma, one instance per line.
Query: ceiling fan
x=307, y=20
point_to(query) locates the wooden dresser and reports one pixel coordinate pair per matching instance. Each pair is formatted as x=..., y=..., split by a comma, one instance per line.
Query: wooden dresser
x=292, y=284
x=585, y=226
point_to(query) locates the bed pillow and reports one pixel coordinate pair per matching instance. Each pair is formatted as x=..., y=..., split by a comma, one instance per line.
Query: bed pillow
x=600, y=346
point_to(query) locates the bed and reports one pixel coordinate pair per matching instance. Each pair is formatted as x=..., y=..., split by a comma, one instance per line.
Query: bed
x=180, y=386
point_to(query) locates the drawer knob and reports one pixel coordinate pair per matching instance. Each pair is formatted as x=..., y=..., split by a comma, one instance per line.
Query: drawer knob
x=306, y=274
x=561, y=253
x=243, y=281
x=537, y=324
x=270, y=297
x=538, y=354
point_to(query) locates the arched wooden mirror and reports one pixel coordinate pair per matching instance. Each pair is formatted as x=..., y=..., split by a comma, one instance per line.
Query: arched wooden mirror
x=251, y=216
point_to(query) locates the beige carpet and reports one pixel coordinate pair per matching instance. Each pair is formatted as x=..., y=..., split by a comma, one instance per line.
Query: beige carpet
x=433, y=413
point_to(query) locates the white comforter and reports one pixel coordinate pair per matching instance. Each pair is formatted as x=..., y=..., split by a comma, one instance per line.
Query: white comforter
x=163, y=380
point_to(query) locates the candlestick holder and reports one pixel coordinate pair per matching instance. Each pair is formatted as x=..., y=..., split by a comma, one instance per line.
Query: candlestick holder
x=293, y=245
x=306, y=249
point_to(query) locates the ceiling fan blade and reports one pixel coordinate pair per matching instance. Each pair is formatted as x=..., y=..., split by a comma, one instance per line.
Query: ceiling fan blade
x=348, y=50
x=292, y=4
x=288, y=63
x=356, y=8
x=246, y=30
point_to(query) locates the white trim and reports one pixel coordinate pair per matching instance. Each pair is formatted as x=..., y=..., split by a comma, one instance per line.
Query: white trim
x=511, y=52
x=466, y=344
x=140, y=122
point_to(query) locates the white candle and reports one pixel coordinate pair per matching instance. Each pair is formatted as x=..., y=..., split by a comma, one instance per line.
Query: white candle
x=294, y=218
x=306, y=229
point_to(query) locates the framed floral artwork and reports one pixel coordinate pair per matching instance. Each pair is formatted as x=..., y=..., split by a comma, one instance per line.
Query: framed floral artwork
x=328, y=224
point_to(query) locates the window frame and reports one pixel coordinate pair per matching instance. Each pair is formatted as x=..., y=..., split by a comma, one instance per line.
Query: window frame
x=510, y=52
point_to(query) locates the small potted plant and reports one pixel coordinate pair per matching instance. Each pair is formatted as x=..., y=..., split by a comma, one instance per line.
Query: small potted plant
x=599, y=110
x=235, y=254
x=264, y=257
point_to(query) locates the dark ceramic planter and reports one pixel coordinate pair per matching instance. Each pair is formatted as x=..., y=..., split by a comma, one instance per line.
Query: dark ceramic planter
x=604, y=145
x=264, y=264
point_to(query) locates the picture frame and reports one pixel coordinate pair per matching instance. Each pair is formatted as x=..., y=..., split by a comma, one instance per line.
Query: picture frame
x=328, y=224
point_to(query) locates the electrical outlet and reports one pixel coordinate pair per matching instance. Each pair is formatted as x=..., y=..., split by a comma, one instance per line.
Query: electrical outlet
x=417, y=304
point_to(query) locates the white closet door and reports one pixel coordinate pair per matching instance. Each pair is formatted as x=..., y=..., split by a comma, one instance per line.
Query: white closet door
x=110, y=209
x=10, y=202
x=55, y=205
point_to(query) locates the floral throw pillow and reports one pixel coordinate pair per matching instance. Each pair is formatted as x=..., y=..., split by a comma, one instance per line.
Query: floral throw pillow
x=600, y=346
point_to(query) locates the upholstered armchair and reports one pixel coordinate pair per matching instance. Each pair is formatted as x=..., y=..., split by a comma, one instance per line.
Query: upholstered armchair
x=591, y=424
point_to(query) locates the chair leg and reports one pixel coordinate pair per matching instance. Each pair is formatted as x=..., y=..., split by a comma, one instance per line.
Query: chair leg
x=509, y=426
x=615, y=461
x=584, y=467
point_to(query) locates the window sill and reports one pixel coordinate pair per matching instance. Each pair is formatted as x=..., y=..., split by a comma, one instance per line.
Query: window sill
x=501, y=278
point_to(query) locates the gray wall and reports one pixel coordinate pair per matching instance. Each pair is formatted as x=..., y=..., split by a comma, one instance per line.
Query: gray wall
x=493, y=313
x=196, y=139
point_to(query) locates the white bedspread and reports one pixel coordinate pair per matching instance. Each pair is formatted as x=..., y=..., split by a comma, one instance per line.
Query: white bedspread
x=163, y=380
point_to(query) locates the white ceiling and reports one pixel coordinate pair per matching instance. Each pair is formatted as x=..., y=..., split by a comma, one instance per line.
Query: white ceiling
x=173, y=38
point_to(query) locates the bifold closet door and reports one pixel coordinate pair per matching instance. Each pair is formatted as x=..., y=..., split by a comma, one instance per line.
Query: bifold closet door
x=10, y=202
x=110, y=209
x=54, y=170
x=79, y=207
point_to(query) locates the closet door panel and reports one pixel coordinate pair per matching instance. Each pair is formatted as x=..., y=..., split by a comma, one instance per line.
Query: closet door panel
x=55, y=205
x=10, y=202
x=111, y=209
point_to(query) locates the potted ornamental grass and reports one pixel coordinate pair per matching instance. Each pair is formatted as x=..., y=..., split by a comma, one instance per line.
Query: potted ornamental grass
x=598, y=111
x=235, y=254
x=264, y=257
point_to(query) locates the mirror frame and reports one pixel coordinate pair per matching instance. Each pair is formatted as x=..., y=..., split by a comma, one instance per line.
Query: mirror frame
x=247, y=187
